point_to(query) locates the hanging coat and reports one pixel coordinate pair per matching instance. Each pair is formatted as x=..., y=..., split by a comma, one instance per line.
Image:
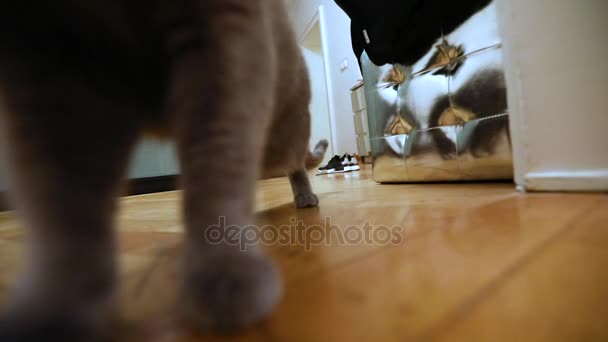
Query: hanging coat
x=402, y=31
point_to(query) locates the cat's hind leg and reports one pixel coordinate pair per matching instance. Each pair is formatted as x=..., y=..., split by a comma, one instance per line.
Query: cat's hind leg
x=67, y=155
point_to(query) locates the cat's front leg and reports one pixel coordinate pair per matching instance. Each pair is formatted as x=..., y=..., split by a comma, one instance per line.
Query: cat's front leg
x=302, y=190
x=222, y=99
x=67, y=153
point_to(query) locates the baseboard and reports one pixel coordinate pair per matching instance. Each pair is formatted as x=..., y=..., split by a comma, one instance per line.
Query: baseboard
x=569, y=181
x=5, y=203
x=141, y=186
x=137, y=186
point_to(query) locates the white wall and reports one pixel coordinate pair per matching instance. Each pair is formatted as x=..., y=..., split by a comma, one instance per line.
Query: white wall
x=557, y=76
x=337, y=27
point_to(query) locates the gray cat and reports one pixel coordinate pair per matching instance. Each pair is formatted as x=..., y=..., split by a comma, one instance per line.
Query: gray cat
x=81, y=80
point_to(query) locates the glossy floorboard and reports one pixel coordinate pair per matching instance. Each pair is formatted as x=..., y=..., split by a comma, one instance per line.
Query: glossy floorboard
x=465, y=262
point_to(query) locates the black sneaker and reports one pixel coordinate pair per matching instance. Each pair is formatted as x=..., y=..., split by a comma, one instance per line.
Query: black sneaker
x=353, y=164
x=344, y=161
x=334, y=165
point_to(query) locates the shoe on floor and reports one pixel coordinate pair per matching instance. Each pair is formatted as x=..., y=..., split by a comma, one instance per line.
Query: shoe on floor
x=334, y=165
x=344, y=162
x=353, y=163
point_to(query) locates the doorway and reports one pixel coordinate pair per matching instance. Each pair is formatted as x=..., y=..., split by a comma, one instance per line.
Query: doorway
x=315, y=56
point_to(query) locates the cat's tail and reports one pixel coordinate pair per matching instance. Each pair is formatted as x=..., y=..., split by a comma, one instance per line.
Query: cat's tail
x=314, y=158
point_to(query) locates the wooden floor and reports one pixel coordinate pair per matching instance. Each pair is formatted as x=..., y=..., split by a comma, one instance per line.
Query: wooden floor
x=475, y=262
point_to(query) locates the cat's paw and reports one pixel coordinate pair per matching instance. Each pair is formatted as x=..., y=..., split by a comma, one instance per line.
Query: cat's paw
x=58, y=327
x=306, y=201
x=226, y=290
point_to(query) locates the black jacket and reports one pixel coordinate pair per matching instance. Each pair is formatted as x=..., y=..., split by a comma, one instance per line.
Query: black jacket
x=402, y=31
